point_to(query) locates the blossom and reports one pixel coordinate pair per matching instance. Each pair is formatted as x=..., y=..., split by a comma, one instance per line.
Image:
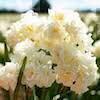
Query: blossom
x=27, y=27
x=58, y=39
x=38, y=70
x=52, y=31
x=70, y=19
x=76, y=66
x=75, y=69
x=73, y=25
x=8, y=76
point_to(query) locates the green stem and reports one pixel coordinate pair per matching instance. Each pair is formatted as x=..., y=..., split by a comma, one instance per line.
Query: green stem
x=6, y=53
x=47, y=96
x=11, y=95
x=43, y=94
x=30, y=94
x=19, y=79
x=74, y=96
x=53, y=90
x=5, y=94
x=34, y=94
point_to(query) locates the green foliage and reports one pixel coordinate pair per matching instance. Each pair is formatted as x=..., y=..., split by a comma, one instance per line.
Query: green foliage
x=2, y=38
x=19, y=79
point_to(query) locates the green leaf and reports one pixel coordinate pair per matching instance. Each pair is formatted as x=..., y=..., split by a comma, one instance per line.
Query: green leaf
x=53, y=90
x=34, y=94
x=2, y=58
x=6, y=53
x=2, y=38
x=19, y=79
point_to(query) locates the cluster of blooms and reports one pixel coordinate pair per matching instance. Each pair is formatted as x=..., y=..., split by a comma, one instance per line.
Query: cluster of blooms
x=57, y=47
x=8, y=75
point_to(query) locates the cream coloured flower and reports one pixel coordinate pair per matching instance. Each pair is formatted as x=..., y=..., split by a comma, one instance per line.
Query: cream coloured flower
x=8, y=76
x=38, y=70
x=69, y=19
x=60, y=38
x=75, y=69
x=53, y=33
x=27, y=27
x=73, y=25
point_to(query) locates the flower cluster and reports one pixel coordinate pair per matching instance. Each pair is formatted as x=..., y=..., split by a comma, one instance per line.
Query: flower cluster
x=57, y=47
x=38, y=70
x=8, y=76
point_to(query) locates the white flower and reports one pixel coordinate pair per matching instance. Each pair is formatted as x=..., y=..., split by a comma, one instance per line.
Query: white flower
x=73, y=25
x=52, y=31
x=64, y=36
x=70, y=19
x=8, y=76
x=27, y=27
x=75, y=69
x=38, y=70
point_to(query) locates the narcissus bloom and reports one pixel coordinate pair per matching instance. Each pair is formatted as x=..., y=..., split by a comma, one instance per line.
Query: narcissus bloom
x=38, y=70
x=8, y=76
x=57, y=47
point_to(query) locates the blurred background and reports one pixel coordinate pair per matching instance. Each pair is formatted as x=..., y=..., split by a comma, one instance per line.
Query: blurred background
x=11, y=9
x=89, y=11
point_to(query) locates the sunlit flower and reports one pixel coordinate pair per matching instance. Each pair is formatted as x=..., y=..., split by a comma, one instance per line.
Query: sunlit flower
x=8, y=76
x=27, y=27
x=75, y=27
x=75, y=69
x=58, y=39
x=38, y=70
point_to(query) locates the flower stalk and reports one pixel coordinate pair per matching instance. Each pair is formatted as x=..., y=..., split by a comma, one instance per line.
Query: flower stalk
x=19, y=79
